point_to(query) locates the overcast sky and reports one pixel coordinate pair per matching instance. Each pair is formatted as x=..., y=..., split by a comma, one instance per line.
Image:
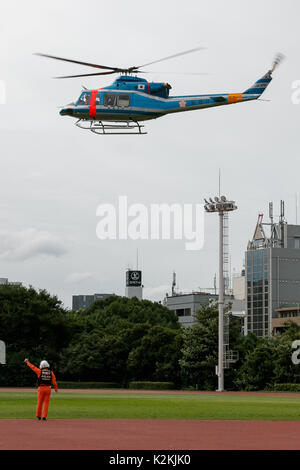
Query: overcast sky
x=53, y=176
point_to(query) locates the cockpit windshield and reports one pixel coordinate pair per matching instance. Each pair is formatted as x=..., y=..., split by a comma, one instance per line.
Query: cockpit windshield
x=84, y=99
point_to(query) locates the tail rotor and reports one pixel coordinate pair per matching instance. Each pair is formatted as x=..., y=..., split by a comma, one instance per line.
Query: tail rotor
x=278, y=59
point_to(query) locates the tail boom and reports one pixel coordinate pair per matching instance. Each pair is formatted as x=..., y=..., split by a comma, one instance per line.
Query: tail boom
x=259, y=86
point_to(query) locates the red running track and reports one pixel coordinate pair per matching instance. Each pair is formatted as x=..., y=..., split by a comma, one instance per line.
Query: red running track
x=26, y=434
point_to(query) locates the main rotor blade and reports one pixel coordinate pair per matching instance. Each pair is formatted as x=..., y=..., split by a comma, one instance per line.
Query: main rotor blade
x=172, y=56
x=87, y=74
x=116, y=69
x=175, y=73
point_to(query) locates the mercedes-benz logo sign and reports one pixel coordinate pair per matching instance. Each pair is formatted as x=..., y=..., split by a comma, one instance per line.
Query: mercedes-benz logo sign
x=135, y=276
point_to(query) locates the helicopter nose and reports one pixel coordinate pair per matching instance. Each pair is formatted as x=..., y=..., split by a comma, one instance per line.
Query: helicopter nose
x=66, y=112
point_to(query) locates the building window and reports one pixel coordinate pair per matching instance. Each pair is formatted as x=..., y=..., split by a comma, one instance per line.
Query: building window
x=183, y=312
x=180, y=312
x=297, y=242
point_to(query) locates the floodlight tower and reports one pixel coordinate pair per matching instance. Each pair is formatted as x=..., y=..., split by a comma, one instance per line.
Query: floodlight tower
x=220, y=205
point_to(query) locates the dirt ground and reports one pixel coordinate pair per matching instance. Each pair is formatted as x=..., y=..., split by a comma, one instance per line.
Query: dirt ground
x=26, y=434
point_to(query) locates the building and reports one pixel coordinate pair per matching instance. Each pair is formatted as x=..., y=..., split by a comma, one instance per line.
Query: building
x=186, y=305
x=284, y=316
x=272, y=264
x=134, y=287
x=80, y=302
x=239, y=296
x=5, y=282
x=239, y=286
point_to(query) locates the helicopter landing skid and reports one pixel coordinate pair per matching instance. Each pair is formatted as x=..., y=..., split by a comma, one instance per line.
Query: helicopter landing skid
x=111, y=127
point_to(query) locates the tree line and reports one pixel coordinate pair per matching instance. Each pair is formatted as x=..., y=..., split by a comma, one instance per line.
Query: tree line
x=121, y=340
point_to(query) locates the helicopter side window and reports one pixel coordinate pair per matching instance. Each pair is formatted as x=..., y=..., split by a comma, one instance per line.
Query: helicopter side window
x=97, y=100
x=109, y=100
x=123, y=100
x=84, y=99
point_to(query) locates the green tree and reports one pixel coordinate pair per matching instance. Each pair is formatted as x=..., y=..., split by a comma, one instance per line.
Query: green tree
x=268, y=361
x=96, y=356
x=200, y=349
x=113, y=309
x=33, y=324
x=257, y=370
x=156, y=357
x=113, y=333
x=284, y=369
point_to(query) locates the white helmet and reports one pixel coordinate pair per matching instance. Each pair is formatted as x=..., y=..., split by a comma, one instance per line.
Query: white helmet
x=44, y=364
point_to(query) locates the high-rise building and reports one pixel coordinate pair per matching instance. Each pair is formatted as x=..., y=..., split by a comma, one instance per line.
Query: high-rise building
x=272, y=265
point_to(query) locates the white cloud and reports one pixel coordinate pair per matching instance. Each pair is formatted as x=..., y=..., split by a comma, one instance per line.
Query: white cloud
x=157, y=292
x=78, y=277
x=29, y=243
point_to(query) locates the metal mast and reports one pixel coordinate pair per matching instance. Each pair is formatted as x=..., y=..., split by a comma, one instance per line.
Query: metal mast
x=173, y=283
x=226, y=252
x=222, y=206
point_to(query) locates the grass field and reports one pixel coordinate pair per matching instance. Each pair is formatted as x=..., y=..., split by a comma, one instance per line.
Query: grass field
x=77, y=405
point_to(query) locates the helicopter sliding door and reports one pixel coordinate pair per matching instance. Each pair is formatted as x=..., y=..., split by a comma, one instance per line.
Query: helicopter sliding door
x=116, y=101
x=117, y=105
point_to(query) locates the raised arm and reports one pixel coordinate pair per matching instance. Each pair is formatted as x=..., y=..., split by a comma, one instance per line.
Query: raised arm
x=34, y=368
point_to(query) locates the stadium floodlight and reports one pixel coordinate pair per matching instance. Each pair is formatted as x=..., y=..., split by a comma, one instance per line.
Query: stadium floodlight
x=220, y=205
x=229, y=206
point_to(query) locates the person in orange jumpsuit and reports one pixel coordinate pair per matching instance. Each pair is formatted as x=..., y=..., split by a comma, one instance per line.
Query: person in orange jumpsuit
x=46, y=378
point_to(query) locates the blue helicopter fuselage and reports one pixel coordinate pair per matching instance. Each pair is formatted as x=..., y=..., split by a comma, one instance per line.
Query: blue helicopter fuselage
x=132, y=98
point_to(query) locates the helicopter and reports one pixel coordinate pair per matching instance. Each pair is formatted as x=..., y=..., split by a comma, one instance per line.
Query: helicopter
x=121, y=107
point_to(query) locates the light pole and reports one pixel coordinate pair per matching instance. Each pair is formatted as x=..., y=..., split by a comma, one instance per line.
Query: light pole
x=220, y=205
